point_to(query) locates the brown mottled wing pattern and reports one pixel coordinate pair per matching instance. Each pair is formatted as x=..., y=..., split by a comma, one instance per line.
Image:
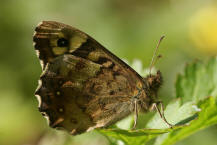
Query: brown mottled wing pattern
x=83, y=86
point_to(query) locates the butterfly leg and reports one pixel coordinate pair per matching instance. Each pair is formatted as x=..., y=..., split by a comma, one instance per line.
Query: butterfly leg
x=161, y=112
x=135, y=113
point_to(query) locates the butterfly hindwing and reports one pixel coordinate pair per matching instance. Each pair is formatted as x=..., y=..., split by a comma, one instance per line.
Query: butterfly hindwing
x=79, y=99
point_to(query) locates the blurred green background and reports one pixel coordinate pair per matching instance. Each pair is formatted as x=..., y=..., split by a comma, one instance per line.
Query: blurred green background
x=128, y=28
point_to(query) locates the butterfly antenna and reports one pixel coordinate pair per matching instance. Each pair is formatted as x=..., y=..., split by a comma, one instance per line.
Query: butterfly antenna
x=155, y=56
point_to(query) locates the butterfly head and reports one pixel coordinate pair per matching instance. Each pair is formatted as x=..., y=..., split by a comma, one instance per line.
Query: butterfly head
x=154, y=82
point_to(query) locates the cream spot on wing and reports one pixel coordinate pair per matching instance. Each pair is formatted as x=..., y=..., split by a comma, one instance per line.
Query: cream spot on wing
x=58, y=93
x=59, y=50
x=94, y=55
x=68, y=84
x=38, y=96
x=37, y=51
x=34, y=33
x=39, y=83
x=47, y=118
x=73, y=131
x=39, y=100
x=40, y=23
x=58, y=121
x=91, y=128
x=139, y=85
x=98, y=125
x=116, y=68
x=76, y=41
x=107, y=64
x=60, y=109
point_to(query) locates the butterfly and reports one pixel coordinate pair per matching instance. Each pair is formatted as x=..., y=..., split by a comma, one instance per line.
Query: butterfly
x=83, y=85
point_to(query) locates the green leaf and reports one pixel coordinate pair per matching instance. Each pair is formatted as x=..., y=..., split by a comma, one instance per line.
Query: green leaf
x=198, y=81
x=136, y=137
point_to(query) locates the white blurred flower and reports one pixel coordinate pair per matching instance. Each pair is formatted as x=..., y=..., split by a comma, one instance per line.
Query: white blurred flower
x=195, y=107
x=120, y=142
x=138, y=67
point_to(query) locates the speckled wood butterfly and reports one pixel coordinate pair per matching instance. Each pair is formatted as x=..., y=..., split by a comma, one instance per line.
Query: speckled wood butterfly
x=83, y=85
